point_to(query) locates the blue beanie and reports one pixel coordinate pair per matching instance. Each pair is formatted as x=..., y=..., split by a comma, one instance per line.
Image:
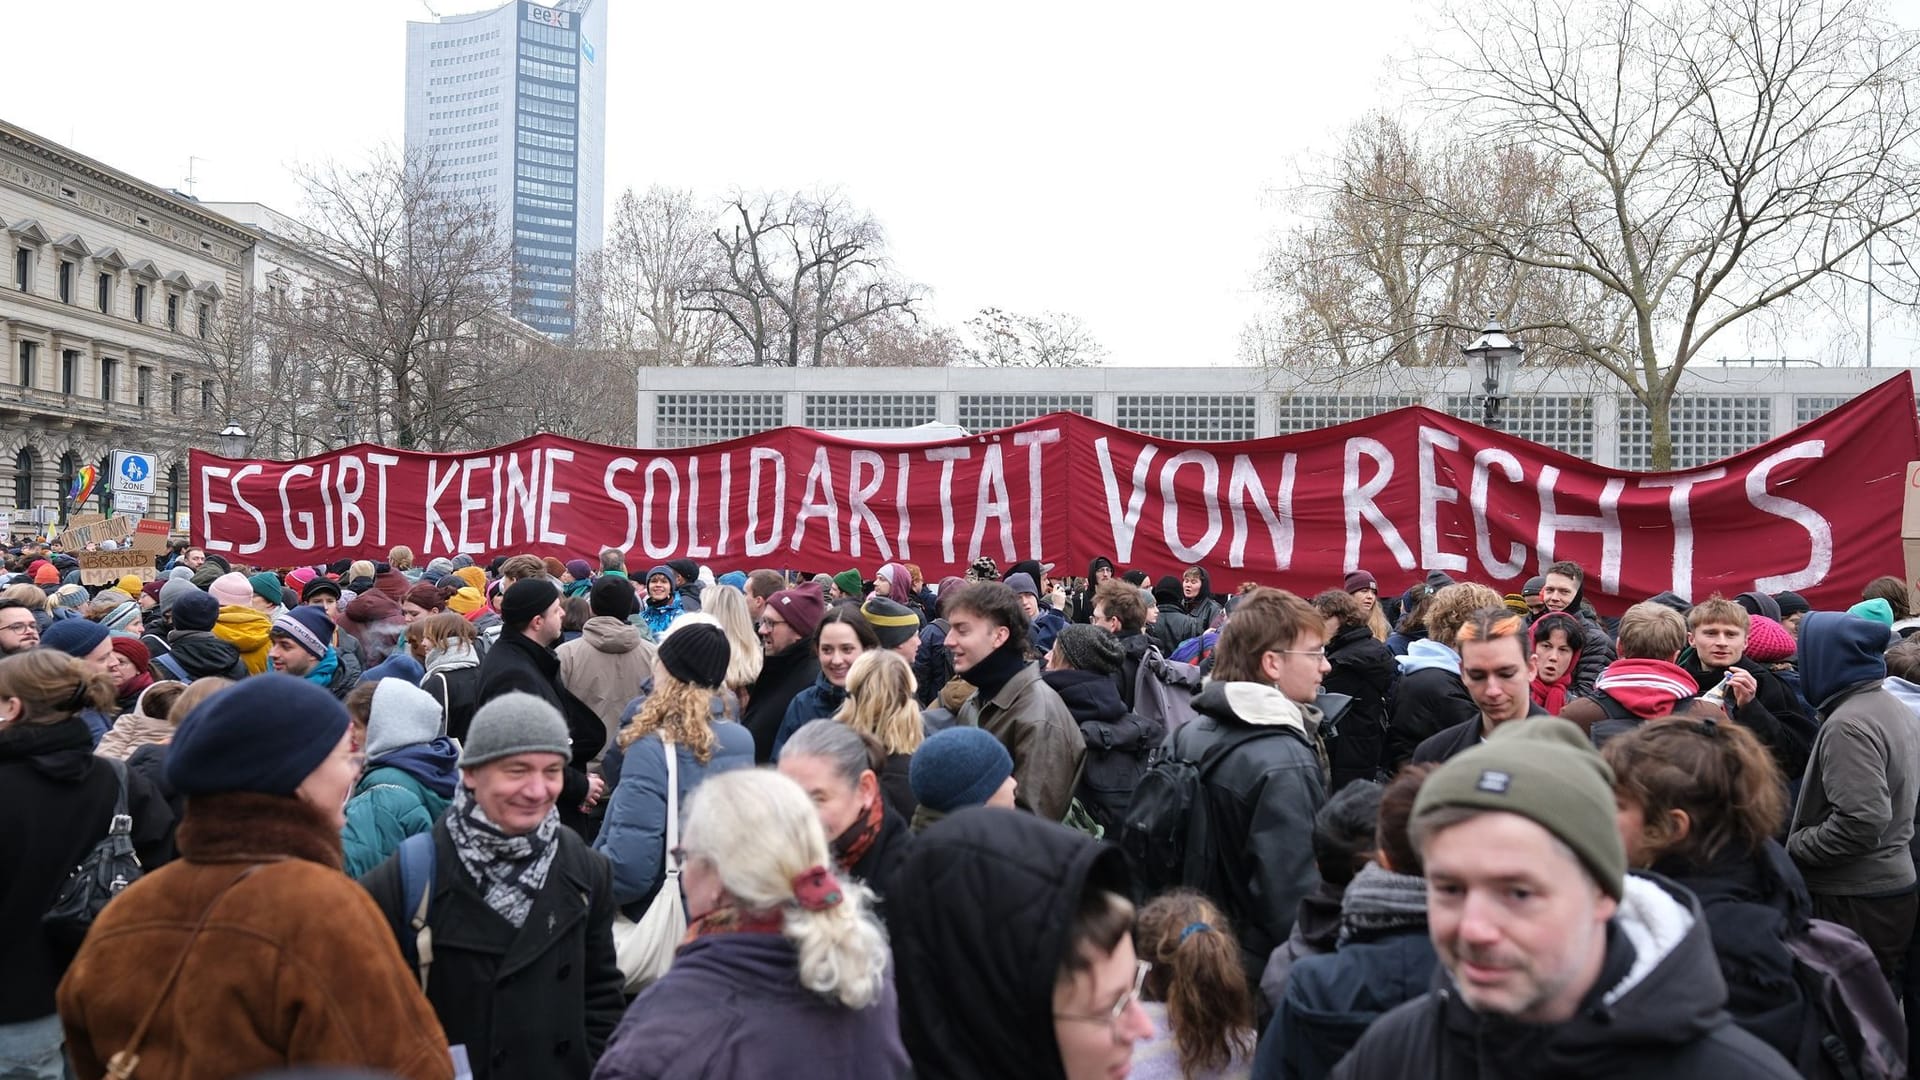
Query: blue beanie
x=195, y=610
x=398, y=666
x=75, y=637
x=958, y=768
x=735, y=578
x=263, y=735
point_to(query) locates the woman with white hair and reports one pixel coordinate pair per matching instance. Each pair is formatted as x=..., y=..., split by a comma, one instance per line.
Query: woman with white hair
x=785, y=971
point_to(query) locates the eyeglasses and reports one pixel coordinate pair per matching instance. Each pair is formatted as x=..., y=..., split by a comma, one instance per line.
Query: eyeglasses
x=1320, y=652
x=768, y=624
x=1112, y=1017
x=16, y=627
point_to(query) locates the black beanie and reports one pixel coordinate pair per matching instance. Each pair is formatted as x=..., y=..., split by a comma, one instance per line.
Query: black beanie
x=697, y=654
x=1167, y=590
x=611, y=597
x=195, y=610
x=526, y=600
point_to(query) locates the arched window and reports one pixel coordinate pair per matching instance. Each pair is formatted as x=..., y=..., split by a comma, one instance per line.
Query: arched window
x=173, y=495
x=23, y=479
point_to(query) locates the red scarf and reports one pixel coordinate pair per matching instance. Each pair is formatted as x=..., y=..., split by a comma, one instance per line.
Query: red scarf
x=1553, y=696
x=727, y=919
x=851, y=846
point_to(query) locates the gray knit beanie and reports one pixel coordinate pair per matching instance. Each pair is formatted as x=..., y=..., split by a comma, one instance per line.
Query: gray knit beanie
x=174, y=589
x=1090, y=648
x=1544, y=769
x=515, y=723
x=402, y=715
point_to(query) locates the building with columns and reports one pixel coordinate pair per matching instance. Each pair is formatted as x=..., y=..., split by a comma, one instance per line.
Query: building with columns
x=113, y=289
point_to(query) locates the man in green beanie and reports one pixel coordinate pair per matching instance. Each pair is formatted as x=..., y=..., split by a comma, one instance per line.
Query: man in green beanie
x=1557, y=960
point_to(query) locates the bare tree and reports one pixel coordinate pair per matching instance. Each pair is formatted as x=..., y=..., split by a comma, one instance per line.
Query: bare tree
x=1049, y=339
x=1368, y=283
x=660, y=245
x=1720, y=163
x=793, y=274
x=415, y=299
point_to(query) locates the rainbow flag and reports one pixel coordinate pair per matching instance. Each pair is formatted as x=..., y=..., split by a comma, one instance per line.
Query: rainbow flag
x=83, y=482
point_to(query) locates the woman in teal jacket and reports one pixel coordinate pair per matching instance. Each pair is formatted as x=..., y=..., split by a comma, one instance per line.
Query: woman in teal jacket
x=409, y=778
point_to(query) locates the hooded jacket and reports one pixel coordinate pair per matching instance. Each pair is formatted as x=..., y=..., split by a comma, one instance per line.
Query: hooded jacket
x=1854, y=819
x=979, y=912
x=1262, y=798
x=1363, y=669
x=200, y=654
x=1646, y=690
x=1203, y=606
x=1118, y=742
x=604, y=667
x=403, y=793
x=1080, y=603
x=1656, y=1012
x=248, y=631
x=375, y=623
x=732, y=1005
x=1428, y=699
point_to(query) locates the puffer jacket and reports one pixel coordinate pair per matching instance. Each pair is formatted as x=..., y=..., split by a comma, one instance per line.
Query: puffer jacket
x=604, y=668
x=1661, y=1016
x=633, y=835
x=403, y=793
x=246, y=630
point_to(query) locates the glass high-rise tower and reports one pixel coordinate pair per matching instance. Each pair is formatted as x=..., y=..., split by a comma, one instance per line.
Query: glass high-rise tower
x=512, y=104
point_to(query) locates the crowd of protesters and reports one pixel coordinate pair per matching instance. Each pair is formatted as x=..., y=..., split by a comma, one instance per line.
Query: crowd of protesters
x=549, y=817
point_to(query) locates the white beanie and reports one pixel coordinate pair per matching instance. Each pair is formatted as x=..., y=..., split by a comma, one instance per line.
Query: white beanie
x=402, y=715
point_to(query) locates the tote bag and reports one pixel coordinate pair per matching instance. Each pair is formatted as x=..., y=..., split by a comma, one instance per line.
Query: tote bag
x=644, y=950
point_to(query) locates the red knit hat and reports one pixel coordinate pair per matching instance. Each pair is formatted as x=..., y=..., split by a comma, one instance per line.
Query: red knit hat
x=135, y=651
x=1767, y=641
x=46, y=575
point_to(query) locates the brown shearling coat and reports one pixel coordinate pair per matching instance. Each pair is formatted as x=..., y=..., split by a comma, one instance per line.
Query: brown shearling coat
x=295, y=967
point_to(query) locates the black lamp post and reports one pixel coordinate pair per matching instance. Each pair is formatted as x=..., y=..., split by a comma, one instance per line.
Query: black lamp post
x=1491, y=360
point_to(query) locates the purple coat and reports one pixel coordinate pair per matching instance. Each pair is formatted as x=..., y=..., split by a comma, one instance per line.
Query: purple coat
x=732, y=1005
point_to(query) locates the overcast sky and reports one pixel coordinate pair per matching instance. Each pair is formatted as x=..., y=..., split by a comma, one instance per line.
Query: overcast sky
x=1114, y=161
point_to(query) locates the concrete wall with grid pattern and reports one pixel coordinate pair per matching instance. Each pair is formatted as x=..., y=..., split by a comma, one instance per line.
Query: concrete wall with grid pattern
x=1718, y=412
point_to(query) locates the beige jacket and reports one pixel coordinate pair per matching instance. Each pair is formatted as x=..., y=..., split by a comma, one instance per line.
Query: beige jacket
x=604, y=667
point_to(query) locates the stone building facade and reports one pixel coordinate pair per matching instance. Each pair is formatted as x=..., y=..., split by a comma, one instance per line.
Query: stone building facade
x=113, y=290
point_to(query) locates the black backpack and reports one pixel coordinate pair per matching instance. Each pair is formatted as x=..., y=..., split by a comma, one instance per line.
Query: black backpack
x=1167, y=832
x=109, y=868
x=1855, y=1030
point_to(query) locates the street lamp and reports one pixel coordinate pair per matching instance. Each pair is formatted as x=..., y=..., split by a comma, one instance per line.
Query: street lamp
x=234, y=441
x=1492, y=359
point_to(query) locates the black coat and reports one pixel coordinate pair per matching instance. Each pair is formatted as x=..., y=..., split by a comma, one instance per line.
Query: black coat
x=57, y=800
x=1425, y=703
x=1174, y=627
x=1752, y=904
x=1118, y=742
x=1458, y=739
x=979, y=914
x=537, y=1002
x=1261, y=798
x=1363, y=669
x=1672, y=1022
x=782, y=675
x=517, y=662
x=200, y=654
x=458, y=692
x=876, y=866
x=1774, y=715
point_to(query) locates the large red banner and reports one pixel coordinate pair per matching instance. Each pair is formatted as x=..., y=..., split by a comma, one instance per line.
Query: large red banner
x=1400, y=494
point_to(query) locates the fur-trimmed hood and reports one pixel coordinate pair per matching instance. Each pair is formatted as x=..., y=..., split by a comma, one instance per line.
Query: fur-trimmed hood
x=248, y=827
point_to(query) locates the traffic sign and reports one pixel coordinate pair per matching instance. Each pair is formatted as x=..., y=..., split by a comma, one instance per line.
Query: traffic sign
x=132, y=473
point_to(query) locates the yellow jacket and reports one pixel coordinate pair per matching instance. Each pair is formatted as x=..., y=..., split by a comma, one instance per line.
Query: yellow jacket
x=247, y=630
